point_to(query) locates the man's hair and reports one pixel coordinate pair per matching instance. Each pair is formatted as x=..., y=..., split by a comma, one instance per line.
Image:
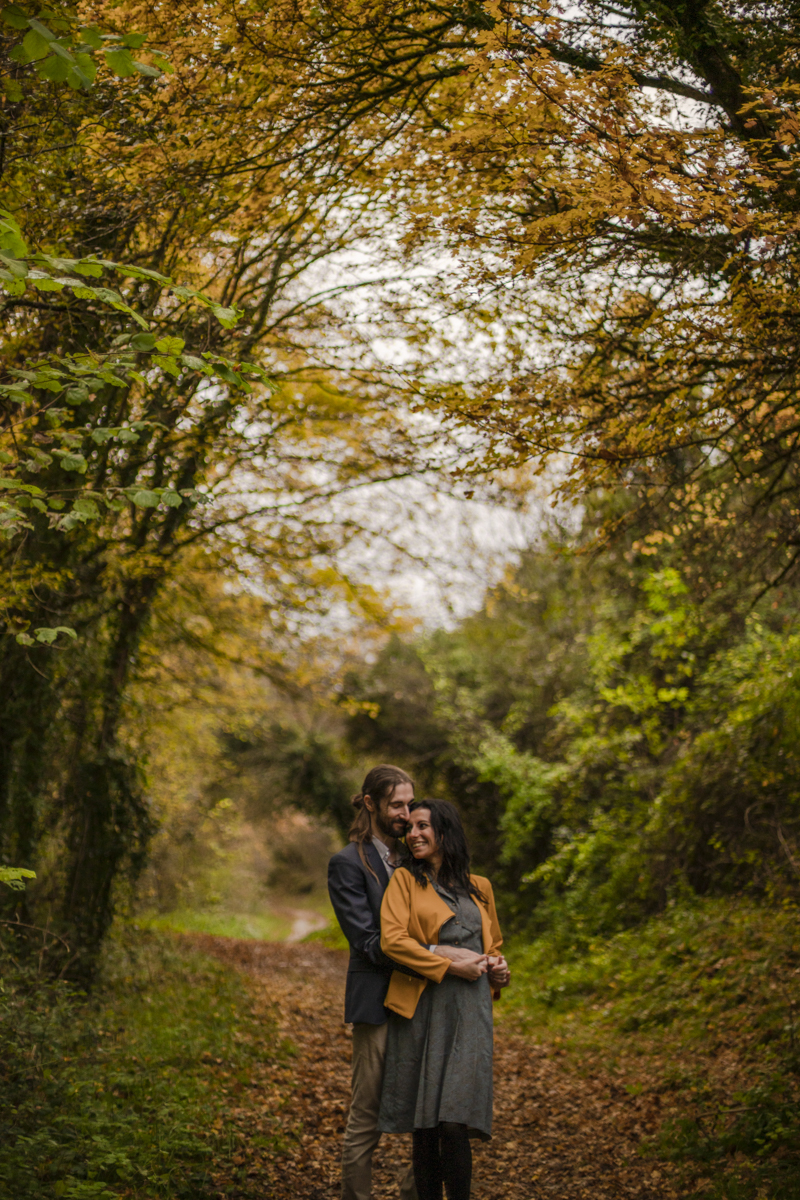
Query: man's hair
x=379, y=785
x=452, y=841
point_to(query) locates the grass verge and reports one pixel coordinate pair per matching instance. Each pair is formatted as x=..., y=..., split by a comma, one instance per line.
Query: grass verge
x=331, y=937
x=270, y=927
x=131, y=1092
x=697, y=1013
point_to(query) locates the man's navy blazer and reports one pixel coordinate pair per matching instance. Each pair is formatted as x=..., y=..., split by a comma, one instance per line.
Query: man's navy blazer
x=356, y=897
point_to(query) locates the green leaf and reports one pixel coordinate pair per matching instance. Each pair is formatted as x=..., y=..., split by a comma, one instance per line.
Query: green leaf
x=35, y=46
x=134, y=40
x=82, y=73
x=224, y=372
x=85, y=266
x=227, y=317
x=13, y=15
x=135, y=272
x=49, y=635
x=12, y=241
x=62, y=52
x=170, y=345
x=41, y=29
x=85, y=507
x=194, y=364
x=143, y=342
x=91, y=36
x=145, y=499
x=120, y=62
x=172, y=499
x=103, y=435
x=127, y=435
x=46, y=283
x=167, y=363
x=72, y=462
x=15, y=877
x=145, y=69
x=56, y=70
x=24, y=639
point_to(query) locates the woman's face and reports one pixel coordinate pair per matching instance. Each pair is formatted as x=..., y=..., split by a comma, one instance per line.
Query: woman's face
x=420, y=838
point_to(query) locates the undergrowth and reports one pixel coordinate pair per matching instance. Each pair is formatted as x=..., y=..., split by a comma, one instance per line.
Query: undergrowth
x=125, y=1093
x=700, y=1006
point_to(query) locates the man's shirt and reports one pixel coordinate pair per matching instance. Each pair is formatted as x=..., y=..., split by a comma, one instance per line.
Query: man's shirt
x=385, y=854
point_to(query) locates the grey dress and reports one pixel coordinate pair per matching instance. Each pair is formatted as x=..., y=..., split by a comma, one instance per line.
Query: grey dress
x=439, y=1062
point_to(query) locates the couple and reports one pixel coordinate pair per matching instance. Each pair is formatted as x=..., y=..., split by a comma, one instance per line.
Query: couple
x=424, y=964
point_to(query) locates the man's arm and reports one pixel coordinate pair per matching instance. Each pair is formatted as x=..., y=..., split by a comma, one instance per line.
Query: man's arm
x=455, y=953
x=350, y=903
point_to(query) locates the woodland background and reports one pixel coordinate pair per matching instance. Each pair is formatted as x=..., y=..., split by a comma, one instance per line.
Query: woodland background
x=295, y=298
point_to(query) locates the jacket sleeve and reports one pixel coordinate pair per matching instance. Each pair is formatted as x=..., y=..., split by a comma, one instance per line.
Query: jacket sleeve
x=351, y=905
x=494, y=924
x=396, y=941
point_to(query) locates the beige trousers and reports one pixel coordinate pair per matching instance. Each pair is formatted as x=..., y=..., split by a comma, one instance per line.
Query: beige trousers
x=360, y=1136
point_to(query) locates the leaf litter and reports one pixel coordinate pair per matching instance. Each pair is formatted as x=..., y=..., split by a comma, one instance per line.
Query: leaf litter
x=557, y=1132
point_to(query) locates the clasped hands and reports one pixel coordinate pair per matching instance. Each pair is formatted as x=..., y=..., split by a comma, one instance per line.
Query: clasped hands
x=466, y=964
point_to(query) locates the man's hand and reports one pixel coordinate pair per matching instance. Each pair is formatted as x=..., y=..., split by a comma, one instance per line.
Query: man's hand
x=456, y=953
x=499, y=974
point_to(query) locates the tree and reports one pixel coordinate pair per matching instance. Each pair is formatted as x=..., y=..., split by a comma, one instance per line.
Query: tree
x=611, y=193
x=624, y=178
x=137, y=447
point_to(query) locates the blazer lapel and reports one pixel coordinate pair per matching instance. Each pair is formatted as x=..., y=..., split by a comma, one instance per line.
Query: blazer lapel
x=376, y=862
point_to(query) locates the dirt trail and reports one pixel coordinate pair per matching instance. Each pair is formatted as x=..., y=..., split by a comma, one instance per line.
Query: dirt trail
x=557, y=1135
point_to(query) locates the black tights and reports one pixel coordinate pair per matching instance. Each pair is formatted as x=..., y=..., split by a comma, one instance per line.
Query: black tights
x=442, y=1156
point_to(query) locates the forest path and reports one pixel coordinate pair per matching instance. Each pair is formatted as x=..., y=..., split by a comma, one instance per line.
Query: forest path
x=557, y=1135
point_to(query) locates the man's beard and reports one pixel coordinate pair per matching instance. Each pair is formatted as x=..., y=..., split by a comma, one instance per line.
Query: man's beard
x=390, y=829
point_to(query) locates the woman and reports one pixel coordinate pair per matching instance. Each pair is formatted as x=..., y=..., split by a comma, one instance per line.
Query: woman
x=438, y=1076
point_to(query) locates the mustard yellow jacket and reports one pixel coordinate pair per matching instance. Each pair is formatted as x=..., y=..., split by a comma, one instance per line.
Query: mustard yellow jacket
x=412, y=914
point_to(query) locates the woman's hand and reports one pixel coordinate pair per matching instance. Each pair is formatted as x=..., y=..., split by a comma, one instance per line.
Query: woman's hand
x=468, y=968
x=499, y=974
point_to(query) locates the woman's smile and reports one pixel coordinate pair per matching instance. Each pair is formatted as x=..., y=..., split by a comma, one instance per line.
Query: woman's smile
x=420, y=838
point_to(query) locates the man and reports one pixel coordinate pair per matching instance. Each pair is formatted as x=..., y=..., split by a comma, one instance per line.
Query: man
x=357, y=878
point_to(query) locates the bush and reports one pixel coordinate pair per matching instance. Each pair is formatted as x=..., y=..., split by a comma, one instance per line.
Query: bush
x=703, y=998
x=123, y=1092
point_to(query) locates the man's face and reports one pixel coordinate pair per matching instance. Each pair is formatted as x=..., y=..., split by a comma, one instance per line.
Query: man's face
x=391, y=817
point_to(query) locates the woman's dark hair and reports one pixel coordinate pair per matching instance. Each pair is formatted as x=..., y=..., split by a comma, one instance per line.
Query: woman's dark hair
x=379, y=785
x=451, y=840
